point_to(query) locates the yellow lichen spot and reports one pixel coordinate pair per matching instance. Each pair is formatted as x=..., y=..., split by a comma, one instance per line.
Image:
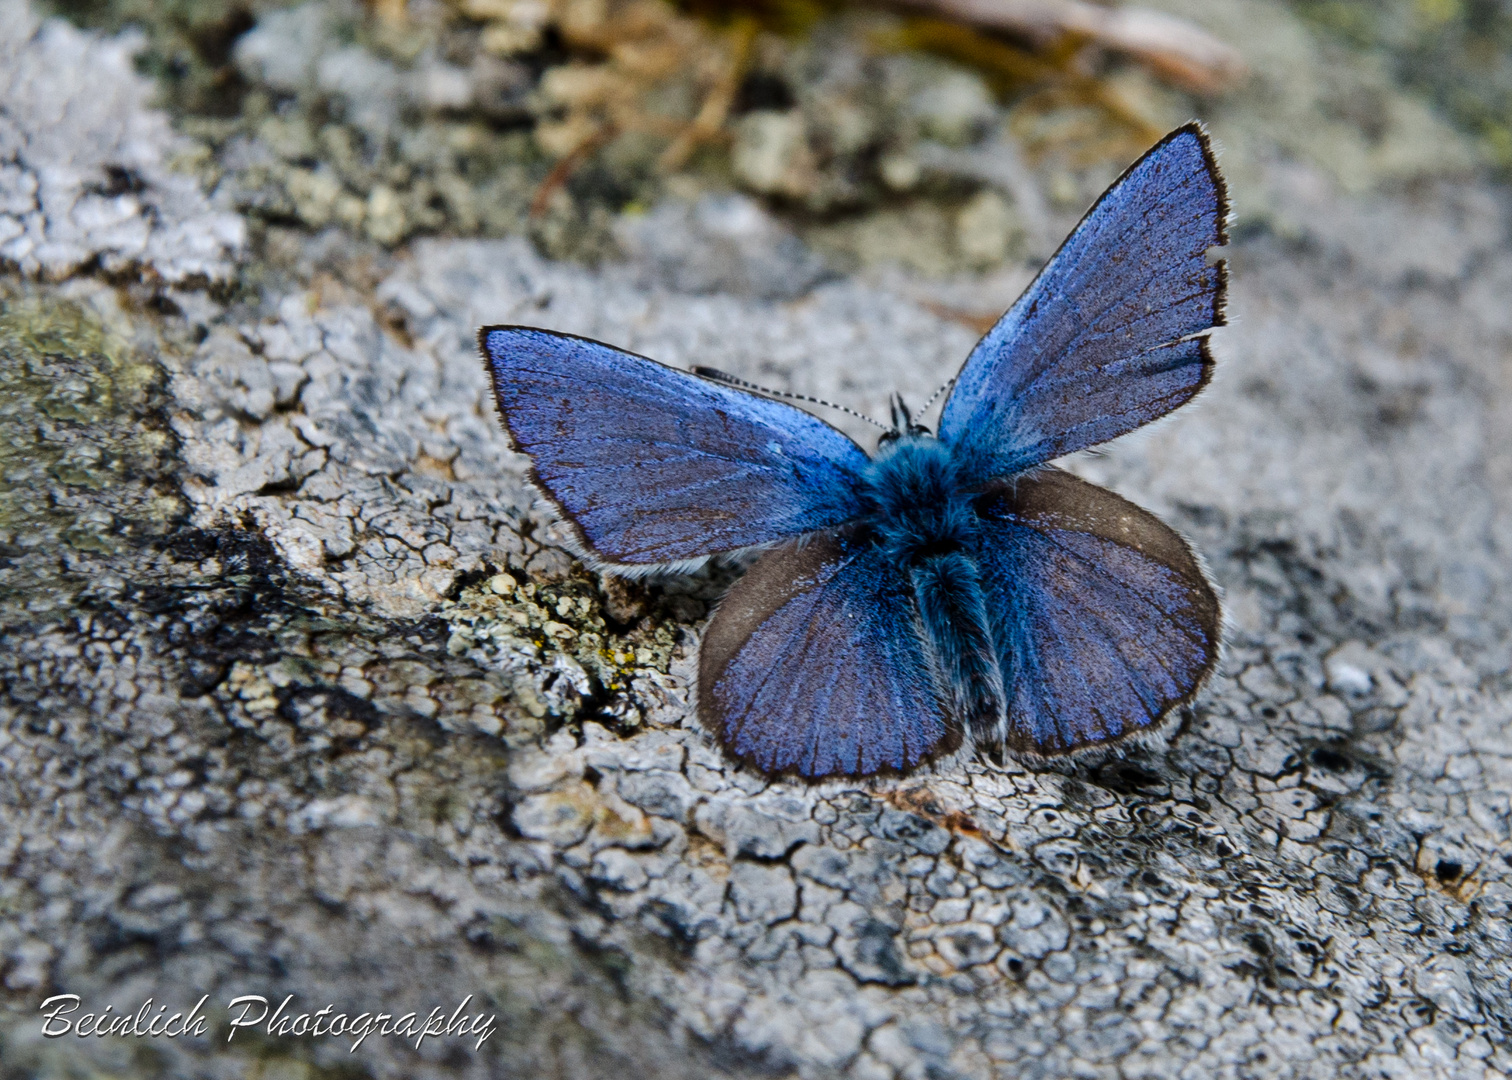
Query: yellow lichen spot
x=564, y=622
x=1436, y=13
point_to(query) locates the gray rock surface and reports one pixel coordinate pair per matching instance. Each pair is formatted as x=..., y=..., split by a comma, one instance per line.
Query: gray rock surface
x=360, y=730
x=85, y=168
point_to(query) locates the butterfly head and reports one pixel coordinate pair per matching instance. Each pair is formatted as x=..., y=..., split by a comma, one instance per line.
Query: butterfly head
x=902, y=423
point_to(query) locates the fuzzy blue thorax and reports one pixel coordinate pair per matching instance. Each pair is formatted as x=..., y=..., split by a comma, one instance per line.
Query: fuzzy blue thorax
x=918, y=505
x=922, y=517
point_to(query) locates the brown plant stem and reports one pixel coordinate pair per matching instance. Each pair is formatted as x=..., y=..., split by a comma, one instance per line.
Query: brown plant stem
x=710, y=121
x=1179, y=51
x=563, y=169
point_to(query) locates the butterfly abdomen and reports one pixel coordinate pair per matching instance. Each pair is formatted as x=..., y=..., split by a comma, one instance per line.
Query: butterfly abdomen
x=924, y=521
x=953, y=618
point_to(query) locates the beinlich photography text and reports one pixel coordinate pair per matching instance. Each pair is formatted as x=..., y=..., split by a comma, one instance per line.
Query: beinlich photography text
x=64, y=1015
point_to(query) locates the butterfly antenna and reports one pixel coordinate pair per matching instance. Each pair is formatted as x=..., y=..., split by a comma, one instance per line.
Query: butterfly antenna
x=715, y=375
x=934, y=397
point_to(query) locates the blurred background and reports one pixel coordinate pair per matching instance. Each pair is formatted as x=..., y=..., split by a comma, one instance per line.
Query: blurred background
x=944, y=137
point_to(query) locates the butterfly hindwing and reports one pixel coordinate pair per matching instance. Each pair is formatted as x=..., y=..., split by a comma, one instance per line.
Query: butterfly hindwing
x=1105, y=621
x=1108, y=337
x=654, y=466
x=813, y=665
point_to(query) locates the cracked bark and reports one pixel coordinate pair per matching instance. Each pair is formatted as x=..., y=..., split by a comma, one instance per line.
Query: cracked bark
x=302, y=695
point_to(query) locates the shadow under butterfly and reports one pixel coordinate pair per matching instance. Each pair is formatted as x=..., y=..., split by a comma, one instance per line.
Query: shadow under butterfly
x=949, y=586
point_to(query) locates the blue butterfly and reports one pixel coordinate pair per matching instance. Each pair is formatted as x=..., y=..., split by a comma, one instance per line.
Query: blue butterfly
x=949, y=586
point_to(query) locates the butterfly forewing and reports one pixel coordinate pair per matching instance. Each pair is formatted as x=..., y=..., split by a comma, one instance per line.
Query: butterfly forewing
x=813, y=665
x=1103, y=340
x=1105, y=621
x=655, y=466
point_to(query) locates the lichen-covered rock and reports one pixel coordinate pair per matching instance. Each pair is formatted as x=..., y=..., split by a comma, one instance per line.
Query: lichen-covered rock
x=84, y=453
x=302, y=693
x=86, y=173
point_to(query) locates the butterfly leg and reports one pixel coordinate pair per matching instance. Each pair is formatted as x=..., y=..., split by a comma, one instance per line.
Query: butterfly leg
x=953, y=613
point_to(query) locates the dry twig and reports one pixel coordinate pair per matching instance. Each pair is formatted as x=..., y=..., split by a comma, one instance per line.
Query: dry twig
x=562, y=171
x=1179, y=51
x=709, y=123
x=1026, y=69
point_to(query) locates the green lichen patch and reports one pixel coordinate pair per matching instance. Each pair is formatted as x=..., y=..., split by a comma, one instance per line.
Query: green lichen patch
x=86, y=457
x=571, y=647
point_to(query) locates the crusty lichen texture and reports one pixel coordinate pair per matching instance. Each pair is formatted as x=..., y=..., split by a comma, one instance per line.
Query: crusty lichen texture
x=608, y=654
x=302, y=690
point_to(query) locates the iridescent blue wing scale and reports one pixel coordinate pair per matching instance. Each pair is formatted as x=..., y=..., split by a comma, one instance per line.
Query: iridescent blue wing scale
x=1111, y=334
x=813, y=665
x=652, y=465
x=1104, y=620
